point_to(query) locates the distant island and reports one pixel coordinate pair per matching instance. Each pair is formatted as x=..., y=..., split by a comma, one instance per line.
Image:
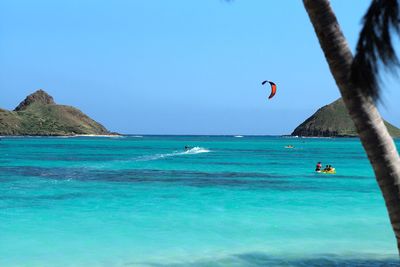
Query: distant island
x=333, y=121
x=39, y=115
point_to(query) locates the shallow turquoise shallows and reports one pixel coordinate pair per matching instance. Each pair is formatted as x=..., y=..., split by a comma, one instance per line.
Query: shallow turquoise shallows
x=225, y=201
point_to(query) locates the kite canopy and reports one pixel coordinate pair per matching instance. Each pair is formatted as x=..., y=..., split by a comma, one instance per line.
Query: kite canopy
x=273, y=88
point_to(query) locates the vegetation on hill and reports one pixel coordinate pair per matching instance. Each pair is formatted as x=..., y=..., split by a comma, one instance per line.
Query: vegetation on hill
x=333, y=120
x=38, y=114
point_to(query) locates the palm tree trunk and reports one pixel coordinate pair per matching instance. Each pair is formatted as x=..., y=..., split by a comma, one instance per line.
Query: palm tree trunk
x=377, y=142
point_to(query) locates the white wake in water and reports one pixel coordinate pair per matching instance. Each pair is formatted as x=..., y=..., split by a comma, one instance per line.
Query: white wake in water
x=195, y=150
x=192, y=151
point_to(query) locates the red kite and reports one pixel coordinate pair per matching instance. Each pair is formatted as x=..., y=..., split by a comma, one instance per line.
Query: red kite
x=273, y=88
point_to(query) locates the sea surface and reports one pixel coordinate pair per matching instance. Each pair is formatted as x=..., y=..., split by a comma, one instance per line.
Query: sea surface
x=227, y=201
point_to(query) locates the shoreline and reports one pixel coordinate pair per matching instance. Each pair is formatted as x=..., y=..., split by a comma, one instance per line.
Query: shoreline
x=190, y=135
x=64, y=136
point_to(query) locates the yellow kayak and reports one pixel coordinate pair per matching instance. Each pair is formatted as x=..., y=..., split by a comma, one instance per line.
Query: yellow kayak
x=333, y=171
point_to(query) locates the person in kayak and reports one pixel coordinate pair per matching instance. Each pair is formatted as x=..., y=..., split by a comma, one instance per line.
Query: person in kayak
x=318, y=167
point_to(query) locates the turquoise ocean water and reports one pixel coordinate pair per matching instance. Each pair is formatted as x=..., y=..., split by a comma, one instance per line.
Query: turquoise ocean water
x=145, y=201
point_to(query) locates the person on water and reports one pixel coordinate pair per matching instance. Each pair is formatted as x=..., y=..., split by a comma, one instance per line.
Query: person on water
x=326, y=168
x=318, y=167
x=187, y=147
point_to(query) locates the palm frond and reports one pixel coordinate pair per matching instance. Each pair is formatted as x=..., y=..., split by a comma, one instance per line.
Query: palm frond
x=375, y=47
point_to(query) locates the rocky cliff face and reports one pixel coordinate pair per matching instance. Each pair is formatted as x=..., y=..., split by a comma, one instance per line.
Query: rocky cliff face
x=39, y=97
x=38, y=114
x=333, y=120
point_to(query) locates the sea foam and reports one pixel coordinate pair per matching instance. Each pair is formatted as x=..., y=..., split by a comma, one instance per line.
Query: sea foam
x=192, y=151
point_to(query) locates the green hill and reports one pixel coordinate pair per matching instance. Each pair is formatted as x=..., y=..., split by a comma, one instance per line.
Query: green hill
x=38, y=114
x=333, y=120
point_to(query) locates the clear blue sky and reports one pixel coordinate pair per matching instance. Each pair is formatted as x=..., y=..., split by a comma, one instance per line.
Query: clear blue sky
x=176, y=66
